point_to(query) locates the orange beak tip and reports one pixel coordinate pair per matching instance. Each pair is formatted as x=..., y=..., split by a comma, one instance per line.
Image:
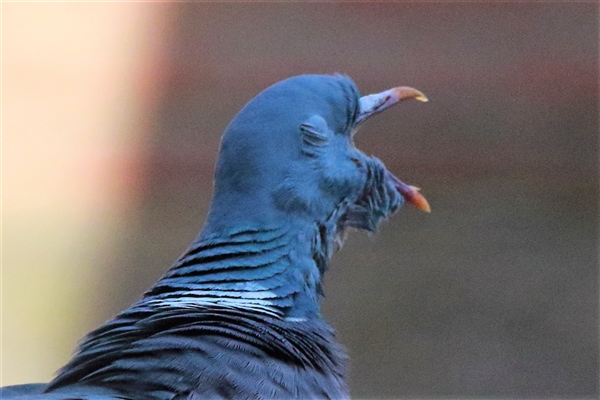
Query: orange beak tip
x=407, y=92
x=421, y=203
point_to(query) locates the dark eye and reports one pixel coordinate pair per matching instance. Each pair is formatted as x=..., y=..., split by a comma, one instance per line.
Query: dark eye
x=356, y=162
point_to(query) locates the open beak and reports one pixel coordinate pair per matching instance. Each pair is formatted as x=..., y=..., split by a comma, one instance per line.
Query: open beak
x=374, y=104
x=410, y=193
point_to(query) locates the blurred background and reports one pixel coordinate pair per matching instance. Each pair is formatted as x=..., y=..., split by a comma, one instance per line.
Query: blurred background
x=112, y=114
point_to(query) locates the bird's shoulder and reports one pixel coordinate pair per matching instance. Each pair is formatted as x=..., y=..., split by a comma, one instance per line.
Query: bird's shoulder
x=210, y=352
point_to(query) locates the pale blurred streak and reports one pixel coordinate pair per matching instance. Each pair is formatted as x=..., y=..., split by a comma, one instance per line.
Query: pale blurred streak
x=79, y=84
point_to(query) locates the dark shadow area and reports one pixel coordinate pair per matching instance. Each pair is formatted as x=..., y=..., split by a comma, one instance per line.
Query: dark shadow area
x=495, y=293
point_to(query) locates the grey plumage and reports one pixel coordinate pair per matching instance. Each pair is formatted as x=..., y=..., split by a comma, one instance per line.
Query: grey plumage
x=238, y=314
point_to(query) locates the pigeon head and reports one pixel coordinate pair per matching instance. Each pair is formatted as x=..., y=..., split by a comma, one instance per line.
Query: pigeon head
x=289, y=154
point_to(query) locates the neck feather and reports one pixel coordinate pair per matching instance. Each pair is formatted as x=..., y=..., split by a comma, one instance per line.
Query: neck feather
x=273, y=269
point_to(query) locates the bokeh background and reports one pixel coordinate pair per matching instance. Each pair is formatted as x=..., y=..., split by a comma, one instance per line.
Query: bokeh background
x=112, y=114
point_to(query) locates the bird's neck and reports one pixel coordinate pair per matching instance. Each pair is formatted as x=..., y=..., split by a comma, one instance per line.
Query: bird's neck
x=275, y=269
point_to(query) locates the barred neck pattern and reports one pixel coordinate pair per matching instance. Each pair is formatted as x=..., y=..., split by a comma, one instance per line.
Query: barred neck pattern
x=273, y=270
